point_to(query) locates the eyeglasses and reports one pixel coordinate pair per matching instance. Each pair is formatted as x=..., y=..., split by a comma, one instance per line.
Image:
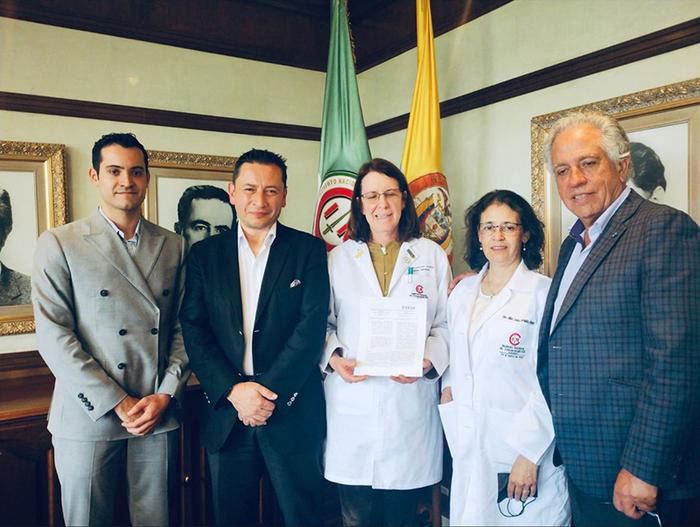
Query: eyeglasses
x=505, y=227
x=373, y=197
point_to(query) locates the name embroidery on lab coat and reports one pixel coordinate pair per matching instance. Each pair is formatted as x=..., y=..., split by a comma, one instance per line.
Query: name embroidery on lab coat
x=531, y=322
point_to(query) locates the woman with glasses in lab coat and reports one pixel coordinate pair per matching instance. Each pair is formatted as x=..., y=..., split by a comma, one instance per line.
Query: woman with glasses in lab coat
x=384, y=442
x=497, y=423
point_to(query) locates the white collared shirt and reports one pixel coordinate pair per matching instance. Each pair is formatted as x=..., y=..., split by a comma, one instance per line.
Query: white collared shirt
x=251, y=269
x=579, y=254
x=130, y=244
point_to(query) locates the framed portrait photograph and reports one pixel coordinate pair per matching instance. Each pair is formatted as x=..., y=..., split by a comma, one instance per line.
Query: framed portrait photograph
x=188, y=194
x=32, y=199
x=663, y=125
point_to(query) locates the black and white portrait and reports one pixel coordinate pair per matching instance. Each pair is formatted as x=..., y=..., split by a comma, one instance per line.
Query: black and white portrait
x=15, y=224
x=647, y=173
x=203, y=211
x=188, y=194
x=660, y=159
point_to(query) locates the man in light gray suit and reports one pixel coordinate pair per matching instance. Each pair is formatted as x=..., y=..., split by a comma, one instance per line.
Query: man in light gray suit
x=106, y=291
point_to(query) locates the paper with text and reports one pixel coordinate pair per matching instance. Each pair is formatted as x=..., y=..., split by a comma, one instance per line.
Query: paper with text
x=392, y=337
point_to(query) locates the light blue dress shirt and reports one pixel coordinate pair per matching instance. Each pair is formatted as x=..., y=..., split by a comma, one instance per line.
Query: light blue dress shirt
x=579, y=254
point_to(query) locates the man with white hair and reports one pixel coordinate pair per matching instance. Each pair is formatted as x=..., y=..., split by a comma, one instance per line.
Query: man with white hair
x=619, y=350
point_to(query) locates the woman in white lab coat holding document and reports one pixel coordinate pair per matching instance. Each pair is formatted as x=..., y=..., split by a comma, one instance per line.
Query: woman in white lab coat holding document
x=385, y=350
x=497, y=423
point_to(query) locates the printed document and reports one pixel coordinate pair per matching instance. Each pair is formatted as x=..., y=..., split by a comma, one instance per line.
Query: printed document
x=392, y=337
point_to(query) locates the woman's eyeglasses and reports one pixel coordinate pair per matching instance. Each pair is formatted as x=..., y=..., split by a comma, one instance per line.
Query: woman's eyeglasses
x=505, y=227
x=373, y=197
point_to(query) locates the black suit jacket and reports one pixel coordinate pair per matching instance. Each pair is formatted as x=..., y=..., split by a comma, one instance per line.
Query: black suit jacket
x=289, y=332
x=621, y=367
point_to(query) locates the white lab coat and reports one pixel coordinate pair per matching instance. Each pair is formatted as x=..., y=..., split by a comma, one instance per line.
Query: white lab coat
x=498, y=411
x=380, y=432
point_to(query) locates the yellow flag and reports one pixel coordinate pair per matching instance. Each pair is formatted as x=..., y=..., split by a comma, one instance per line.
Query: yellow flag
x=422, y=151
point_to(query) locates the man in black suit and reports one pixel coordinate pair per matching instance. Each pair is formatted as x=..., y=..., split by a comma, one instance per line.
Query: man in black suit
x=254, y=322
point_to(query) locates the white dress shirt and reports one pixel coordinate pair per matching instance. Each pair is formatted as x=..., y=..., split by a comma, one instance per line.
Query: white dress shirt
x=132, y=243
x=579, y=254
x=251, y=269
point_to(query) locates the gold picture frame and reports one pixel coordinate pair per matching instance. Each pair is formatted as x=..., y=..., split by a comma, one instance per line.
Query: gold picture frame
x=172, y=172
x=36, y=175
x=675, y=107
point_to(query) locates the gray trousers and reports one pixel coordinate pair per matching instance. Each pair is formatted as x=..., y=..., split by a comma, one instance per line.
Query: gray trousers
x=90, y=470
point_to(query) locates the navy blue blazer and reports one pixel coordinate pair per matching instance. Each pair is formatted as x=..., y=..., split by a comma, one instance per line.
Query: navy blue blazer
x=621, y=368
x=289, y=333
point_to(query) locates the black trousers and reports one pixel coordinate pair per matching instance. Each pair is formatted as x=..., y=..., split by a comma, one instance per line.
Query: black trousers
x=590, y=511
x=236, y=470
x=363, y=506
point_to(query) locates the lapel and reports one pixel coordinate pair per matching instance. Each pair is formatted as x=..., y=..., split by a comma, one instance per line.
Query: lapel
x=466, y=300
x=279, y=250
x=408, y=253
x=106, y=241
x=603, y=245
x=360, y=256
x=521, y=279
x=230, y=277
x=150, y=246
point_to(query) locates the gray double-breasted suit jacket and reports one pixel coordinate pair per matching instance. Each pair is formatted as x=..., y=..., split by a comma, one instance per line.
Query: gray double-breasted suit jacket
x=107, y=323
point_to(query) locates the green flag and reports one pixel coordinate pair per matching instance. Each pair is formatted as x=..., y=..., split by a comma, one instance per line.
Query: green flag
x=344, y=145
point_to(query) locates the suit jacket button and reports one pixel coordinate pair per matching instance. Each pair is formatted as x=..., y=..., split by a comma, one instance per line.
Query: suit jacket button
x=80, y=395
x=121, y=365
x=154, y=331
x=104, y=292
x=90, y=408
x=289, y=403
x=166, y=292
x=122, y=332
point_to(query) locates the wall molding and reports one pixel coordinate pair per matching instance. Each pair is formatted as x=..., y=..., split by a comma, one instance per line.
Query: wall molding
x=22, y=102
x=644, y=47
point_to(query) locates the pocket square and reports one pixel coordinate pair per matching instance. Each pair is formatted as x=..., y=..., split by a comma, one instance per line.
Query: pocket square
x=294, y=283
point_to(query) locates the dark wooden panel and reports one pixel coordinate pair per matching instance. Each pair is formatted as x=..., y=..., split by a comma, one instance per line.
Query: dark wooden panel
x=294, y=33
x=386, y=29
x=239, y=28
x=663, y=41
x=28, y=488
x=22, y=361
x=20, y=102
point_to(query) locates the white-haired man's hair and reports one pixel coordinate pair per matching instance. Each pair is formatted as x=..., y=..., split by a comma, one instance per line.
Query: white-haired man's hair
x=614, y=139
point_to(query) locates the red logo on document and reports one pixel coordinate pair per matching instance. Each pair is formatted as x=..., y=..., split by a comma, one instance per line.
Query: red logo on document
x=514, y=339
x=419, y=289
